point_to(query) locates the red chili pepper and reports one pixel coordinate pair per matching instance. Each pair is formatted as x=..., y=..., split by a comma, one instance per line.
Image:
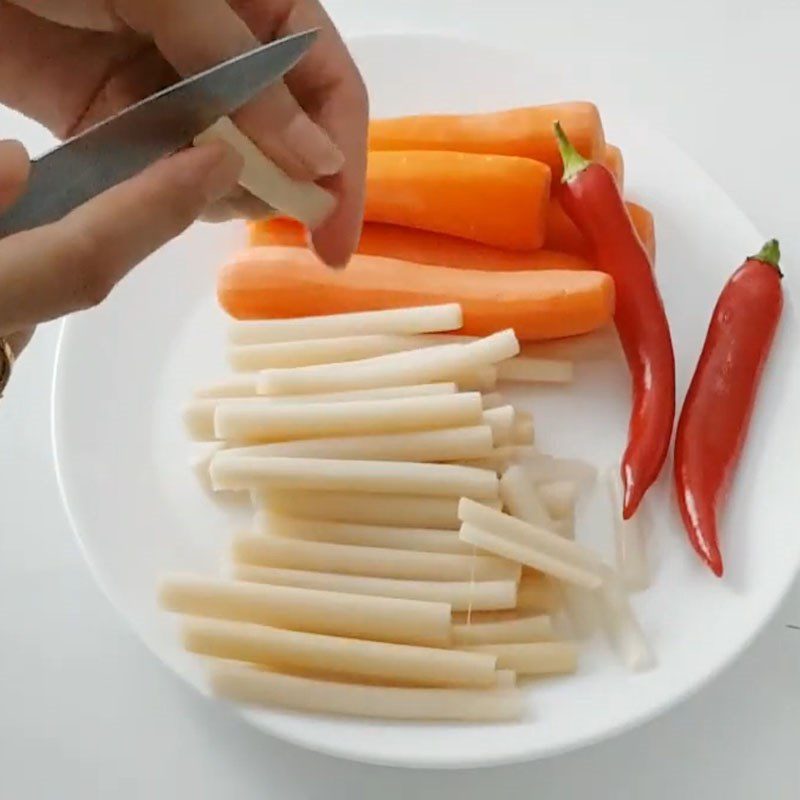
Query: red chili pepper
x=590, y=196
x=718, y=406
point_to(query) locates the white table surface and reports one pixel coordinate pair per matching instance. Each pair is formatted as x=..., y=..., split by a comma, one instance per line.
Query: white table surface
x=86, y=712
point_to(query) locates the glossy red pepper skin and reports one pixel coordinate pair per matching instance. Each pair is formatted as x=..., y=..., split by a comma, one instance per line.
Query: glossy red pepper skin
x=718, y=406
x=590, y=196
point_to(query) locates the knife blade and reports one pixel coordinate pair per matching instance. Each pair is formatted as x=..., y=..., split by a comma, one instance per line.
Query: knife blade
x=123, y=145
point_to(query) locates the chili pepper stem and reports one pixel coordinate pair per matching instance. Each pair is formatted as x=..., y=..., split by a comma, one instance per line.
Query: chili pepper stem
x=574, y=162
x=770, y=254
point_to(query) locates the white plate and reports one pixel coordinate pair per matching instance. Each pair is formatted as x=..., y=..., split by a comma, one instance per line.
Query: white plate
x=124, y=370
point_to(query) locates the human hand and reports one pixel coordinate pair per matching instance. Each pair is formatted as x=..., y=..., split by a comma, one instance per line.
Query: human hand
x=115, y=52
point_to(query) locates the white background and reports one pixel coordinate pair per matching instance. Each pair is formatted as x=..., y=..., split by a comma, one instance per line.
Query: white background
x=86, y=712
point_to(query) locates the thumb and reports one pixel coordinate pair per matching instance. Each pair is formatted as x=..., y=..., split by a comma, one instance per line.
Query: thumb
x=14, y=169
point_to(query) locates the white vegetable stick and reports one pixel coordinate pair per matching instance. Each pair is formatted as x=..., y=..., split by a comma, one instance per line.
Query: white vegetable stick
x=528, y=535
x=198, y=414
x=534, y=658
x=544, y=468
x=524, y=629
x=522, y=554
x=521, y=499
x=447, y=362
x=447, y=444
x=243, y=385
x=498, y=460
x=581, y=607
x=334, y=613
x=629, y=538
x=299, y=650
x=422, y=539
x=505, y=679
x=431, y=339
x=303, y=200
x=201, y=463
x=460, y=595
x=559, y=497
x=523, y=433
x=244, y=421
x=622, y=626
x=303, y=353
x=338, y=475
x=494, y=400
x=501, y=421
x=254, y=686
x=483, y=379
x=377, y=562
x=420, y=319
x=538, y=592
x=410, y=511
x=524, y=369
x=600, y=344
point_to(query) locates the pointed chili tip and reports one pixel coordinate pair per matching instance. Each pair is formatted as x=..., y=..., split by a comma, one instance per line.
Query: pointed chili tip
x=714, y=561
x=770, y=254
x=574, y=162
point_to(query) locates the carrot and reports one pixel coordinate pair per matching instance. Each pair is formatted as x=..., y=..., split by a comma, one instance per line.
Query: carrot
x=525, y=132
x=283, y=282
x=562, y=235
x=615, y=163
x=421, y=247
x=496, y=200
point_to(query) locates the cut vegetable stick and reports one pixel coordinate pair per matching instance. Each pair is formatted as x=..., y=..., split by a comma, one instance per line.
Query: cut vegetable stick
x=459, y=595
x=411, y=511
x=524, y=629
x=581, y=607
x=537, y=592
x=535, y=658
x=303, y=200
x=244, y=421
x=529, y=536
x=522, y=554
x=614, y=162
x=524, y=369
x=258, y=687
x=378, y=562
x=251, y=357
x=521, y=499
x=447, y=362
x=420, y=247
x=547, y=469
x=198, y=414
x=447, y=444
x=629, y=538
x=299, y=650
x=449, y=193
x=499, y=460
x=333, y=474
x=422, y=539
x=600, y=344
x=243, y=385
x=408, y=321
x=493, y=400
x=559, y=498
x=622, y=626
x=523, y=432
x=501, y=422
x=334, y=613
x=505, y=679
x=525, y=132
x=267, y=282
x=479, y=380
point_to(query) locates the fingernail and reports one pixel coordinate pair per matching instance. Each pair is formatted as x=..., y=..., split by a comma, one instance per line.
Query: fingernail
x=222, y=175
x=313, y=147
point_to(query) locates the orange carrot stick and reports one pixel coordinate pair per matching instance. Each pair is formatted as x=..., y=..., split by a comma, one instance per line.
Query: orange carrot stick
x=563, y=236
x=421, y=247
x=615, y=163
x=496, y=200
x=525, y=132
x=283, y=282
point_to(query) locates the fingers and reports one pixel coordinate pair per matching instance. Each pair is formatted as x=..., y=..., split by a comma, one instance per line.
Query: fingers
x=74, y=263
x=14, y=168
x=192, y=40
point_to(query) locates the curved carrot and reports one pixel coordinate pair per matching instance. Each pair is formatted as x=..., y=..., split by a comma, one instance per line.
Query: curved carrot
x=291, y=282
x=562, y=235
x=496, y=200
x=615, y=163
x=421, y=247
x=525, y=132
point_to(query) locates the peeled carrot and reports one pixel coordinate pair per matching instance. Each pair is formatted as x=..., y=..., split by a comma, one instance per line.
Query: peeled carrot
x=562, y=235
x=496, y=200
x=282, y=282
x=421, y=247
x=615, y=163
x=525, y=132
